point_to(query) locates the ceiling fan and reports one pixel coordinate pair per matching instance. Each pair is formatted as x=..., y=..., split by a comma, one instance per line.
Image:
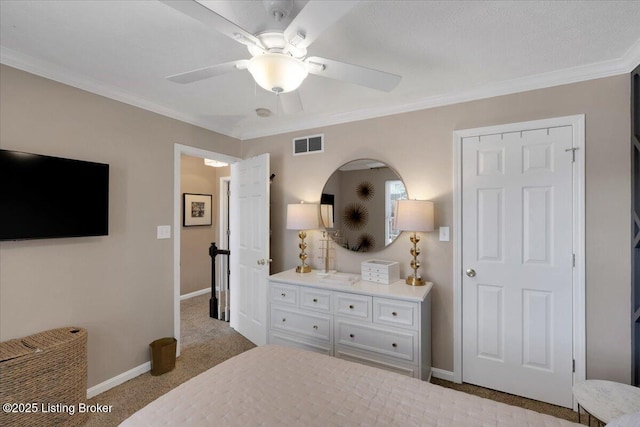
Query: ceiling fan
x=279, y=61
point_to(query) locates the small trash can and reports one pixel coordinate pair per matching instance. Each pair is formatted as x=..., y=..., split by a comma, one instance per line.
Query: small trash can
x=163, y=355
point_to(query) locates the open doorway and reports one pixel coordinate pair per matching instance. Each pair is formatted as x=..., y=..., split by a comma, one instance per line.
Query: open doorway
x=192, y=264
x=201, y=217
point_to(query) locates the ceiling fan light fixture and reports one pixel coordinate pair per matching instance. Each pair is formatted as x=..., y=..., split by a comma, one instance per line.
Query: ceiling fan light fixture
x=215, y=163
x=277, y=72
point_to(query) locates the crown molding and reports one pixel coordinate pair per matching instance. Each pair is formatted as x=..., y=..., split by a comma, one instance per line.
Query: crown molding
x=632, y=57
x=60, y=74
x=598, y=70
x=622, y=65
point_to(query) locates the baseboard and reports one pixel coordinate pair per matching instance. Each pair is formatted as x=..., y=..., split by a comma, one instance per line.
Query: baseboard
x=442, y=374
x=118, y=379
x=195, y=294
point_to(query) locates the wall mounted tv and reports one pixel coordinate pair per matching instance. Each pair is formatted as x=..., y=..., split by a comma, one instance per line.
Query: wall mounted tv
x=43, y=197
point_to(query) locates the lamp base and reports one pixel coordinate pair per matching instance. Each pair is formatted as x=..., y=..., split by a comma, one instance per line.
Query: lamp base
x=415, y=281
x=303, y=269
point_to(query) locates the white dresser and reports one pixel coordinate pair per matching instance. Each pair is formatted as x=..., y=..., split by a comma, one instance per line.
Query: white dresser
x=387, y=326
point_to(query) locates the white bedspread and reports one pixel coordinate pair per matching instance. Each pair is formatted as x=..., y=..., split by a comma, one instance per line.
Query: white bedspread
x=278, y=386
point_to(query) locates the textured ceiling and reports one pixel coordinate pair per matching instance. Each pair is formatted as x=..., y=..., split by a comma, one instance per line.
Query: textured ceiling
x=445, y=51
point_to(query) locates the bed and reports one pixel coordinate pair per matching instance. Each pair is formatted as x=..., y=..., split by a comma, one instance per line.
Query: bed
x=279, y=386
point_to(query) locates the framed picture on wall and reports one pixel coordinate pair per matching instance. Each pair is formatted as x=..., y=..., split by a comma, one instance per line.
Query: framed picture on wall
x=196, y=209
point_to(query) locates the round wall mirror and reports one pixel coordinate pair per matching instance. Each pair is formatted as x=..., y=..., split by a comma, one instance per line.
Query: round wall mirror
x=358, y=203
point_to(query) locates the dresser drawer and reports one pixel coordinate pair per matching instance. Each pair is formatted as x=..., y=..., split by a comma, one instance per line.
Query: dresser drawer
x=352, y=305
x=395, y=313
x=290, y=340
x=402, y=368
x=284, y=294
x=396, y=344
x=315, y=299
x=313, y=325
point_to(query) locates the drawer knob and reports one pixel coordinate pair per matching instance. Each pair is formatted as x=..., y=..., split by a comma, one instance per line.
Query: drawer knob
x=284, y=320
x=394, y=313
x=315, y=300
x=351, y=336
x=315, y=327
x=351, y=307
x=283, y=295
x=394, y=345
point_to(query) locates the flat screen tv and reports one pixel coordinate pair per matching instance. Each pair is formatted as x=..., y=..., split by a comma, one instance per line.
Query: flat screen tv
x=43, y=197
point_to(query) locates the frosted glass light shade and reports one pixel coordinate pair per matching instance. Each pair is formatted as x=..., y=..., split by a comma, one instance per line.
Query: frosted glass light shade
x=277, y=72
x=302, y=216
x=215, y=163
x=414, y=215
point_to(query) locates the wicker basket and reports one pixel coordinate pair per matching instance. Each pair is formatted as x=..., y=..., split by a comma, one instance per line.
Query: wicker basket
x=46, y=373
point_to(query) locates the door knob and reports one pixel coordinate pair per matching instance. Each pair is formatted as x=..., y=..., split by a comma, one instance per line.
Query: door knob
x=471, y=272
x=264, y=261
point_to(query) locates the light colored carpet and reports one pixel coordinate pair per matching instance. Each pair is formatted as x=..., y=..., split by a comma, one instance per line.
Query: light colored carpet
x=207, y=342
x=510, y=399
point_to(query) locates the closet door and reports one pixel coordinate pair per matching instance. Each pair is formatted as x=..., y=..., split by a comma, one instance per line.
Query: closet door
x=635, y=224
x=518, y=222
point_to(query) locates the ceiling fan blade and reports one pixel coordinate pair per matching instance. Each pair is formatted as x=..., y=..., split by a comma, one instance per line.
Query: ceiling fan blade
x=290, y=102
x=363, y=76
x=206, y=72
x=313, y=19
x=210, y=18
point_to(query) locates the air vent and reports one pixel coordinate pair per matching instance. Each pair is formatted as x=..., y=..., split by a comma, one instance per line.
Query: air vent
x=308, y=145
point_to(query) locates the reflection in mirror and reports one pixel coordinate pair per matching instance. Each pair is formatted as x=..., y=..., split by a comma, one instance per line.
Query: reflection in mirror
x=358, y=203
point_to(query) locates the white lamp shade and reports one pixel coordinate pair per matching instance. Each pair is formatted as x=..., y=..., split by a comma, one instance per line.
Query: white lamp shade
x=414, y=215
x=302, y=216
x=326, y=214
x=277, y=72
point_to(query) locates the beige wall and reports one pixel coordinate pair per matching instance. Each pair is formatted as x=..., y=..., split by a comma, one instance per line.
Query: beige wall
x=195, y=262
x=419, y=146
x=120, y=286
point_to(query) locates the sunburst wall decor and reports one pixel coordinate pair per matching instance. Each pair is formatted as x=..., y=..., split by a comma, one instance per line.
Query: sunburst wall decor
x=365, y=190
x=355, y=216
x=366, y=242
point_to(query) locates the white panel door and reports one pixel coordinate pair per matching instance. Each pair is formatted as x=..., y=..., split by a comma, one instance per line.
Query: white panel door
x=249, y=246
x=517, y=259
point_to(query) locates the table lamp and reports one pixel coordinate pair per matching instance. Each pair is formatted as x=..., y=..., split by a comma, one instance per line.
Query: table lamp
x=414, y=216
x=302, y=217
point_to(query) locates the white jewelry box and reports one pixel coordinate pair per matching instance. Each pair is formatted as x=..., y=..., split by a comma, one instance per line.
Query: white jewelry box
x=380, y=271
